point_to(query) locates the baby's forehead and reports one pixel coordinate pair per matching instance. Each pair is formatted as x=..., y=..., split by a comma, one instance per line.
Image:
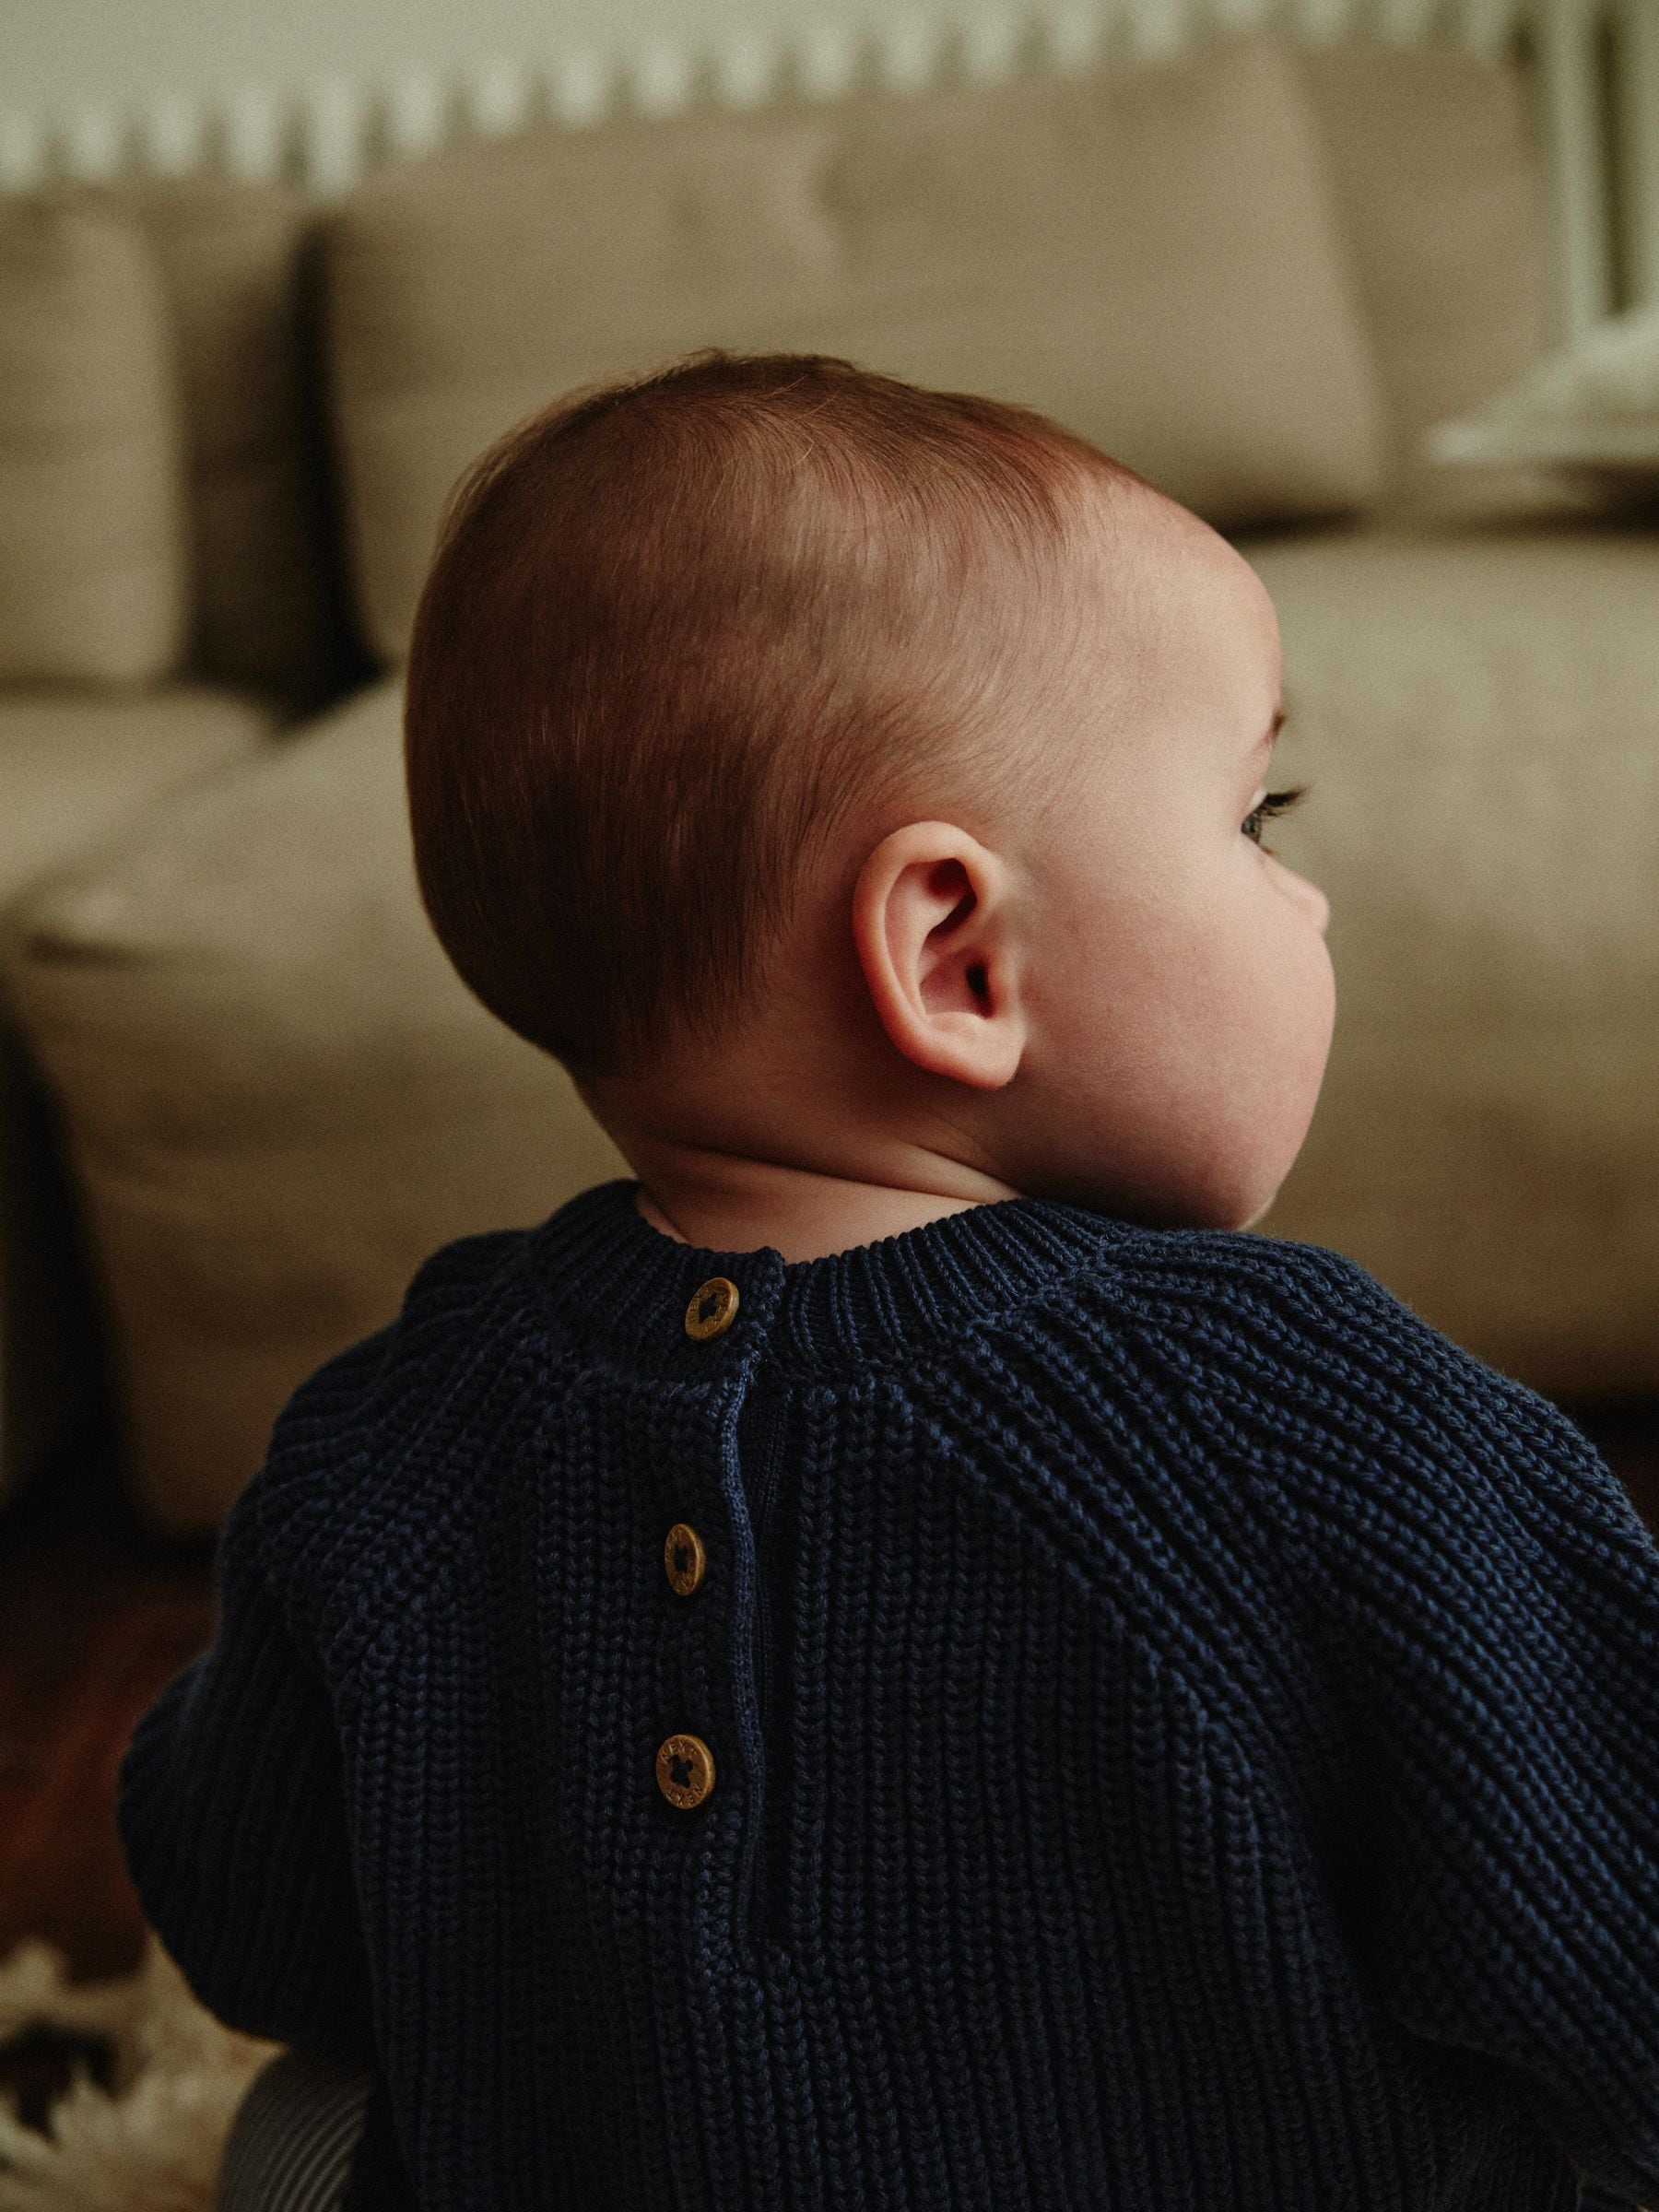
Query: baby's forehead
x=1143, y=534
x=1161, y=633
x=1158, y=569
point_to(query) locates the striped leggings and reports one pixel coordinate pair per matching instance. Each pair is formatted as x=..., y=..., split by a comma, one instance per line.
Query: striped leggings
x=290, y=2143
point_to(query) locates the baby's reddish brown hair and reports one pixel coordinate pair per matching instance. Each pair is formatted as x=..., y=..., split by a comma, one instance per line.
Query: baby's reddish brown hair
x=677, y=632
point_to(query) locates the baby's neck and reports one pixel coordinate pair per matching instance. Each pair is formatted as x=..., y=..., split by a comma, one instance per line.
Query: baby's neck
x=727, y=1205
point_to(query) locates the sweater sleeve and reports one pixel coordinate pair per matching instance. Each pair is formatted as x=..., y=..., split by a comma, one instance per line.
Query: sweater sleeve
x=231, y=1817
x=1491, y=1598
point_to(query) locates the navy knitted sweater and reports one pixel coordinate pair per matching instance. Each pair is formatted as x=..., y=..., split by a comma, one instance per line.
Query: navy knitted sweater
x=1182, y=1738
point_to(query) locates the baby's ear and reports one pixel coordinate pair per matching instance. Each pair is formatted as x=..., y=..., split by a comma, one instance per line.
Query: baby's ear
x=933, y=923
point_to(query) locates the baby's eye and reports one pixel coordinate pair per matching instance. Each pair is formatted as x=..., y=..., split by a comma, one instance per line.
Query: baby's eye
x=1276, y=801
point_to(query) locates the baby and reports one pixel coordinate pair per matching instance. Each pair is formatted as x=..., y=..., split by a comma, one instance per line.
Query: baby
x=900, y=1660
x=877, y=761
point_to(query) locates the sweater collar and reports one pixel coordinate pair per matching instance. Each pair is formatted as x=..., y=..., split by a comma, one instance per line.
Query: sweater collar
x=625, y=1286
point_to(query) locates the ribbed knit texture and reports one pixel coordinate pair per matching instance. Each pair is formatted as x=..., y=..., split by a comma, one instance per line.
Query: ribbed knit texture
x=1186, y=1739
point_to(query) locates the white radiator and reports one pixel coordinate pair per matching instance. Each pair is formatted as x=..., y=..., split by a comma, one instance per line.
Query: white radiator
x=1593, y=65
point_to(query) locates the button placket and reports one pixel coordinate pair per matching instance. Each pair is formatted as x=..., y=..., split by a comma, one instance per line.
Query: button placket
x=684, y=1764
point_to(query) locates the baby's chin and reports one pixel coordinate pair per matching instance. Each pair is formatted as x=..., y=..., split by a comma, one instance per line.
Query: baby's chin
x=1169, y=1200
x=1209, y=1157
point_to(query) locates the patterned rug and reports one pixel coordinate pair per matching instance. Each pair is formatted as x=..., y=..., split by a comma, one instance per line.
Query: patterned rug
x=153, y=2084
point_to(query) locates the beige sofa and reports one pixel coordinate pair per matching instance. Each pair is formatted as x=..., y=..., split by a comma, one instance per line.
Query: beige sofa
x=1257, y=271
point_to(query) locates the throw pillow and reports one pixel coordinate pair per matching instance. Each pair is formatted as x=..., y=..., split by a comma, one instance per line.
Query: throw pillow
x=1593, y=406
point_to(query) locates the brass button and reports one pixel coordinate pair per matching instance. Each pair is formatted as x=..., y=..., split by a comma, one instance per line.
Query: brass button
x=714, y=1309
x=683, y=1557
x=685, y=1769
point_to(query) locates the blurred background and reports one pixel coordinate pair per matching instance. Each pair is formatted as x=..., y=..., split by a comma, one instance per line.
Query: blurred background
x=1371, y=285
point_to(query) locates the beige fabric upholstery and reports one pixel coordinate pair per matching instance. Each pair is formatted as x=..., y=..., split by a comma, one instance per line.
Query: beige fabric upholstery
x=1478, y=719
x=268, y=600
x=1148, y=253
x=75, y=770
x=1437, y=183
x=93, y=554
x=279, y=1095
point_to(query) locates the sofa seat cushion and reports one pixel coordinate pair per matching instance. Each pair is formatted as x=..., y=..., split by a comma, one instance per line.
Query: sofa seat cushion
x=1477, y=716
x=1149, y=252
x=278, y=1094
x=77, y=768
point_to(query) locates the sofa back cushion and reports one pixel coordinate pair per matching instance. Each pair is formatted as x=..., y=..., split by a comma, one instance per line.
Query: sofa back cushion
x=229, y=361
x=1148, y=251
x=94, y=564
x=1438, y=184
x=268, y=598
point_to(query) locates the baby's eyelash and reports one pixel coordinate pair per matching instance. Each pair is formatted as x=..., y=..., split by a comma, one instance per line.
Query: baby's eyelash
x=1276, y=801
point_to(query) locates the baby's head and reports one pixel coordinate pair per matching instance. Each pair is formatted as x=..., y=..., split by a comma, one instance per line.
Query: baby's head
x=869, y=779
